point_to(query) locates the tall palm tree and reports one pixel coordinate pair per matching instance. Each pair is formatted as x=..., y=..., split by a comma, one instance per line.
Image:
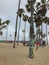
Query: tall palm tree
x=41, y=31
x=7, y=22
x=30, y=8
x=25, y=18
x=16, y=25
x=46, y=35
x=10, y=37
x=46, y=20
x=20, y=13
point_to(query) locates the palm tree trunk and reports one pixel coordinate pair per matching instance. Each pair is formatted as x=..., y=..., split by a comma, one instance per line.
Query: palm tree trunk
x=39, y=34
x=6, y=33
x=41, y=31
x=31, y=24
x=24, y=32
x=46, y=35
x=19, y=30
x=16, y=26
x=31, y=54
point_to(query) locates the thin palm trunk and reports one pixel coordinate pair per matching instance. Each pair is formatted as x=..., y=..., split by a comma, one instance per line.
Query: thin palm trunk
x=19, y=30
x=39, y=34
x=24, y=32
x=16, y=25
x=6, y=32
x=41, y=31
x=46, y=35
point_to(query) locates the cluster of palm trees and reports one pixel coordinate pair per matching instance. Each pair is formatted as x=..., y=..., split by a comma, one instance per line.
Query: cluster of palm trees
x=4, y=25
x=38, y=16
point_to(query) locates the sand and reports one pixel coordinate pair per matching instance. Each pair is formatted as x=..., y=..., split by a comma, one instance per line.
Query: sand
x=19, y=55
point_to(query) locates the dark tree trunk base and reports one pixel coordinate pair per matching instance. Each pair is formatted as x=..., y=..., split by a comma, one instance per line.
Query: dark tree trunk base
x=13, y=45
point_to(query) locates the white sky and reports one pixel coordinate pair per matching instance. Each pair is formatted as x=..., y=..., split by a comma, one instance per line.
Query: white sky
x=8, y=9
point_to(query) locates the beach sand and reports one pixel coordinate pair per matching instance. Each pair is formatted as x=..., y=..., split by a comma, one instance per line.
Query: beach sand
x=19, y=55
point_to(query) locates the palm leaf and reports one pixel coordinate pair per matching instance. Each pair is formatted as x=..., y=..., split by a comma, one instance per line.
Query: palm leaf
x=2, y=27
x=25, y=17
x=20, y=12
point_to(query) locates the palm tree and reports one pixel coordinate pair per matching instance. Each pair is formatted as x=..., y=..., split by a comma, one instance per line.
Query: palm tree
x=2, y=25
x=46, y=35
x=31, y=7
x=25, y=18
x=10, y=37
x=46, y=20
x=16, y=25
x=7, y=22
x=20, y=13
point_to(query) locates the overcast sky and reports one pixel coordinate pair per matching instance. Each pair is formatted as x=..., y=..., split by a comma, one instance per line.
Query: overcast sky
x=8, y=9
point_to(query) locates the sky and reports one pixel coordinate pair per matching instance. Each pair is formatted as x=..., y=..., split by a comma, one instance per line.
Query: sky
x=8, y=9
